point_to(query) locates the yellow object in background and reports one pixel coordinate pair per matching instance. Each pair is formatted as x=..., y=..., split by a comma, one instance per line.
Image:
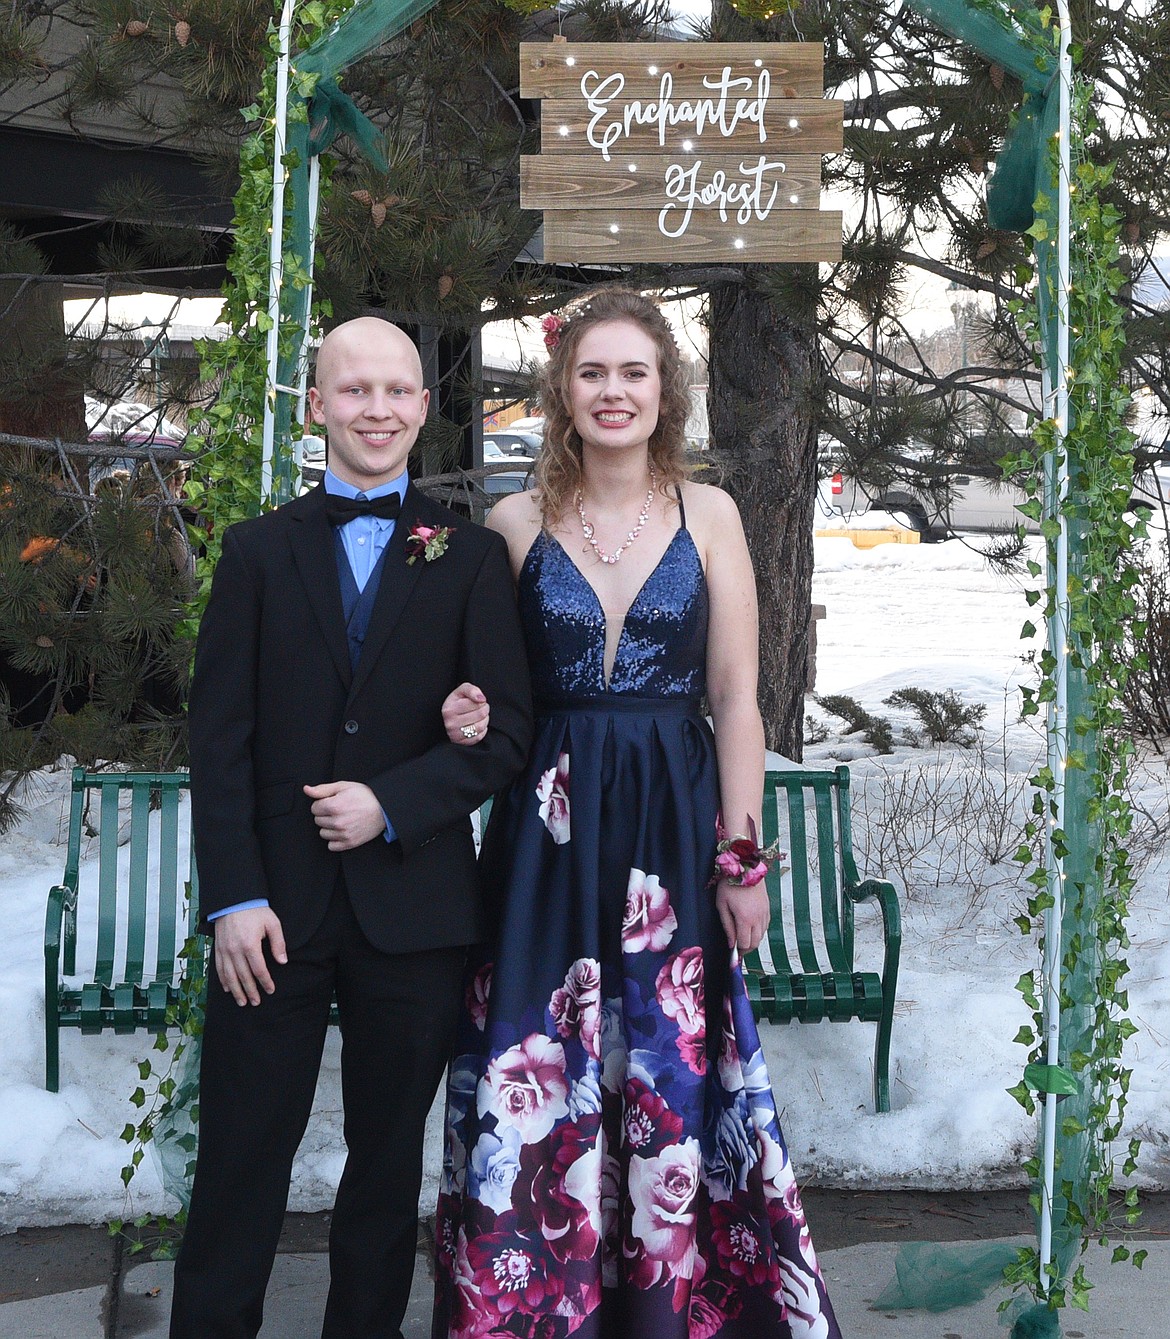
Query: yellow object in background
x=870, y=539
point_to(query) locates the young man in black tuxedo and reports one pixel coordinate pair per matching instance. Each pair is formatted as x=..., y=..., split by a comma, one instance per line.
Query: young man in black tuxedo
x=333, y=841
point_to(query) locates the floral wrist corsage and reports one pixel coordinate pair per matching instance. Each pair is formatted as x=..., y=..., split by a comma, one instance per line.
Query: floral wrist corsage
x=742, y=861
x=427, y=541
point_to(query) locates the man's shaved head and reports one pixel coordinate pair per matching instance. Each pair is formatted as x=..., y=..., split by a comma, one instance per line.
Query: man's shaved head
x=364, y=334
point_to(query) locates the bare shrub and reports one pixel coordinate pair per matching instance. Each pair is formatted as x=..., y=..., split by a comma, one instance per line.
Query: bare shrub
x=955, y=819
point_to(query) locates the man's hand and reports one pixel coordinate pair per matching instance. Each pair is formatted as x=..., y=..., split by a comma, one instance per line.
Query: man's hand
x=466, y=708
x=347, y=814
x=745, y=913
x=239, y=952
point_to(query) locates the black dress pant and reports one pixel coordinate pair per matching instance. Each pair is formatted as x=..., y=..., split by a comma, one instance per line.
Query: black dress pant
x=257, y=1080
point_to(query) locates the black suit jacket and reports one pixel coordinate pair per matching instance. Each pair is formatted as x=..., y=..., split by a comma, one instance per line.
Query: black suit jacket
x=274, y=706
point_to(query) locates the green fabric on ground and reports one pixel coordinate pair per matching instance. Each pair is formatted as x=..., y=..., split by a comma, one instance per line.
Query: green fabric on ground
x=933, y=1276
x=1038, y=1322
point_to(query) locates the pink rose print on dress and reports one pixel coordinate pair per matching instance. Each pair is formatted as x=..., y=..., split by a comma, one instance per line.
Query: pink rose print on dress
x=553, y=794
x=476, y=994
x=649, y=921
x=680, y=996
x=662, y=1191
x=526, y=1088
x=576, y=1006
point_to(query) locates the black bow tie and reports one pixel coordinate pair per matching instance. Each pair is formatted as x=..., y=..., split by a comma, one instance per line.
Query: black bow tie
x=342, y=510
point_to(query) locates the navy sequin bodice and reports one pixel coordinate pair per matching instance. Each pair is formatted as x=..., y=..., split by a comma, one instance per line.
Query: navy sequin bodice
x=663, y=645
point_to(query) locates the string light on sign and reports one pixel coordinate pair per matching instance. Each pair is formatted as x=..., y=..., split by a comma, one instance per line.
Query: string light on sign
x=758, y=10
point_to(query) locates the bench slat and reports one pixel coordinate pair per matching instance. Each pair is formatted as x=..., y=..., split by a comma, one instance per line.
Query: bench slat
x=169, y=892
x=801, y=909
x=772, y=947
x=107, y=882
x=136, y=898
x=830, y=887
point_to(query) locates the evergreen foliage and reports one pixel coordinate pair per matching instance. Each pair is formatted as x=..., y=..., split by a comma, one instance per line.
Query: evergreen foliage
x=944, y=716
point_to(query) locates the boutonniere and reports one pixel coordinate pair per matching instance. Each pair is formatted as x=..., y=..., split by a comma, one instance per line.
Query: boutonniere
x=427, y=541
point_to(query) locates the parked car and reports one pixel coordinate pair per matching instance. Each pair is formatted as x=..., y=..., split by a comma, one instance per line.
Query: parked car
x=311, y=450
x=507, y=443
x=129, y=423
x=500, y=485
x=962, y=499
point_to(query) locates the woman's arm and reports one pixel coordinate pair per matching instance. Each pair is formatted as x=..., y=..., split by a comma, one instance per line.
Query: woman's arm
x=732, y=674
x=466, y=712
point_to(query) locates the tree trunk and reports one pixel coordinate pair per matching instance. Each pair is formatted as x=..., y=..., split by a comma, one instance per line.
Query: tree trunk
x=764, y=372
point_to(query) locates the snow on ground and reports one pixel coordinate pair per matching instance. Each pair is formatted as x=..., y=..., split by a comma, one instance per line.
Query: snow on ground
x=937, y=821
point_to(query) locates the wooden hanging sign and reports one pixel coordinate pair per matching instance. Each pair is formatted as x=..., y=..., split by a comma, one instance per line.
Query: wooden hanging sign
x=665, y=151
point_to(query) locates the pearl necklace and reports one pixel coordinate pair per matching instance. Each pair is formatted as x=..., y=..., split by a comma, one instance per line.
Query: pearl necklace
x=591, y=538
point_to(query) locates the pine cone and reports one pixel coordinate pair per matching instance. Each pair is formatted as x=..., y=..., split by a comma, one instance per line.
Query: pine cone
x=996, y=75
x=136, y=28
x=446, y=284
x=362, y=197
x=378, y=213
x=986, y=248
x=182, y=32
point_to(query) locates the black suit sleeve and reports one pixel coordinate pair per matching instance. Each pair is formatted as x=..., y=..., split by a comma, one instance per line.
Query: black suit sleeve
x=222, y=719
x=429, y=793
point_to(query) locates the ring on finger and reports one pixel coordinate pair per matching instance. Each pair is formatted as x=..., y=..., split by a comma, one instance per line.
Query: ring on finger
x=469, y=731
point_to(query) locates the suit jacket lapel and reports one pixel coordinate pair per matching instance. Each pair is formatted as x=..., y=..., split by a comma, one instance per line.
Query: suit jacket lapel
x=316, y=559
x=398, y=581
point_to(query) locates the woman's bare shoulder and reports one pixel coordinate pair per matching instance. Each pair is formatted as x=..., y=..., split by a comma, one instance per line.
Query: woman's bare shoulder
x=515, y=515
x=708, y=503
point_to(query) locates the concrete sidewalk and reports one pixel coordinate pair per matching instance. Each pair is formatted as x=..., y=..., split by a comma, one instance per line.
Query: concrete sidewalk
x=78, y=1283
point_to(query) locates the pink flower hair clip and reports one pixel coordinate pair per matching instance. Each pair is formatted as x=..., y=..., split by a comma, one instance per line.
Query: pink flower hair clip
x=553, y=326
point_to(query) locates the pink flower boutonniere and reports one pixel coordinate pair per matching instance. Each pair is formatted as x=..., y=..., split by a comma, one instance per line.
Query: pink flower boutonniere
x=427, y=542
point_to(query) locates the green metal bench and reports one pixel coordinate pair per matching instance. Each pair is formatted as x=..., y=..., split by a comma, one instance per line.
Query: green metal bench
x=804, y=969
x=130, y=939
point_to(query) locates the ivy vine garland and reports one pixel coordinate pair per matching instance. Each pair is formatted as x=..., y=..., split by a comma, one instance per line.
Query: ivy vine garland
x=1101, y=621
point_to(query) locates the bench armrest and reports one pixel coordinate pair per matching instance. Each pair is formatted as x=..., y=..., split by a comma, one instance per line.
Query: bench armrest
x=54, y=918
x=887, y=898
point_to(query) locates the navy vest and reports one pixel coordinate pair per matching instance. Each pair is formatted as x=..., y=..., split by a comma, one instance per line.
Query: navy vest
x=357, y=606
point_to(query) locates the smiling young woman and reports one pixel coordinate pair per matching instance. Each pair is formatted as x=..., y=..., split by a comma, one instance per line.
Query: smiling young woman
x=615, y=1165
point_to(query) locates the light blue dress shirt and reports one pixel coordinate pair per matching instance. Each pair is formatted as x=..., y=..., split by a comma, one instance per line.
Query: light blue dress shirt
x=364, y=539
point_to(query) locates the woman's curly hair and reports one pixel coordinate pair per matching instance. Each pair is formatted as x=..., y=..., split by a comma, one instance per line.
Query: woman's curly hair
x=558, y=466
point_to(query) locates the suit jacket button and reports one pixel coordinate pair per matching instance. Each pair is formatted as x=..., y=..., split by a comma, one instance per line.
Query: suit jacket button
x=351, y=727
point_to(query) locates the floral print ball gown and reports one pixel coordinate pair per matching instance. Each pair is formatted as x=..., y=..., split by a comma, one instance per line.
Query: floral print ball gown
x=614, y=1166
